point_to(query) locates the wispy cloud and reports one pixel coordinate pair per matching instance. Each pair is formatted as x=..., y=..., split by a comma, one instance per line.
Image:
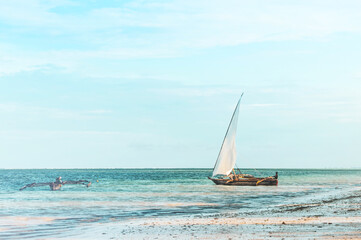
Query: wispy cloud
x=197, y=91
x=157, y=29
x=262, y=105
x=28, y=110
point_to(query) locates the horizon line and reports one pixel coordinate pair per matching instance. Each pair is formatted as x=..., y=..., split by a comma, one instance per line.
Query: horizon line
x=352, y=168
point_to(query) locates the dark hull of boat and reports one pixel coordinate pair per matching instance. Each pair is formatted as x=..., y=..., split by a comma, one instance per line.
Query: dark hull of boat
x=271, y=181
x=55, y=186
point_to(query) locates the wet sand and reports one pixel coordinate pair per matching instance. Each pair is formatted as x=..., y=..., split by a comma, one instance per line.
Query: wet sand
x=232, y=228
x=338, y=217
x=335, y=218
x=215, y=228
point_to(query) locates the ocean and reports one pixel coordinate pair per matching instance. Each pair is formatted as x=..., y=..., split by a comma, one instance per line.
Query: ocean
x=123, y=194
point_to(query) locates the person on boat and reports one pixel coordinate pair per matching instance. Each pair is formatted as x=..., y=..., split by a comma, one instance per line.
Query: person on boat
x=233, y=177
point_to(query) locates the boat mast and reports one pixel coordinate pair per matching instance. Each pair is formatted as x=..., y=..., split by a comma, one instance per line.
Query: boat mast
x=228, y=130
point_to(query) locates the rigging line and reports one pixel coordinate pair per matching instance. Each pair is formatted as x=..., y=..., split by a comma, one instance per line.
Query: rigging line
x=238, y=169
x=227, y=130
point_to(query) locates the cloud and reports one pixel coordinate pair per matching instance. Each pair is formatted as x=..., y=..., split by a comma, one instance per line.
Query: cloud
x=15, y=108
x=262, y=105
x=158, y=29
x=197, y=91
x=30, y=133
x=15, y=60
x=189, y=23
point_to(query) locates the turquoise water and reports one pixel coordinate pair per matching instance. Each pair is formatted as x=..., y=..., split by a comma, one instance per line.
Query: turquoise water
x=123, y=194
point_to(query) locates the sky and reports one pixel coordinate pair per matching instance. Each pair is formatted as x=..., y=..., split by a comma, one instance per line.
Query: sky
x=153, y=84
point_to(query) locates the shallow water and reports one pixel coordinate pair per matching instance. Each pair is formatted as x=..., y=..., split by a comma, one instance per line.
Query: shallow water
x=122, y=194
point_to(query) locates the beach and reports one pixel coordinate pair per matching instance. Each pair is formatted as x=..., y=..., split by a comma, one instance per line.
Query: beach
x=234, y=228
x=182, y=204
x=328, y=219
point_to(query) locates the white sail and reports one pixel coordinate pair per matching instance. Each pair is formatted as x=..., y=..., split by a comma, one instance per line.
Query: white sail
x=227, y=155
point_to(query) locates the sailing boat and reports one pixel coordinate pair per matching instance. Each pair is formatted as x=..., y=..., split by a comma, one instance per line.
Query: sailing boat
x=223, y=171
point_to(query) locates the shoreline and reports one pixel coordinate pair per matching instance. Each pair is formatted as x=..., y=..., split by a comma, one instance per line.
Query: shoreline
x=231, y=228
x=206, y=227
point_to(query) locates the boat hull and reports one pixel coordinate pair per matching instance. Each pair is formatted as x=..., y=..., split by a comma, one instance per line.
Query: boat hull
x=55, y=186
x=270, y=181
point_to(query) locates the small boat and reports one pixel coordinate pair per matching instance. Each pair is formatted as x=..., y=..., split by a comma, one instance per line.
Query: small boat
x=54, y=186
x=224, y=172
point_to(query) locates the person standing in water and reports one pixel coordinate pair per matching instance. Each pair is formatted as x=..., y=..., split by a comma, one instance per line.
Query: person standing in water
x=57, y=184
x=58, y=180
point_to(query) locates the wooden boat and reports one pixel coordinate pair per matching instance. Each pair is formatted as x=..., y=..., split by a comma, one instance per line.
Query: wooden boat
x=54, y=186
x=242, y=181
x=224, y=172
